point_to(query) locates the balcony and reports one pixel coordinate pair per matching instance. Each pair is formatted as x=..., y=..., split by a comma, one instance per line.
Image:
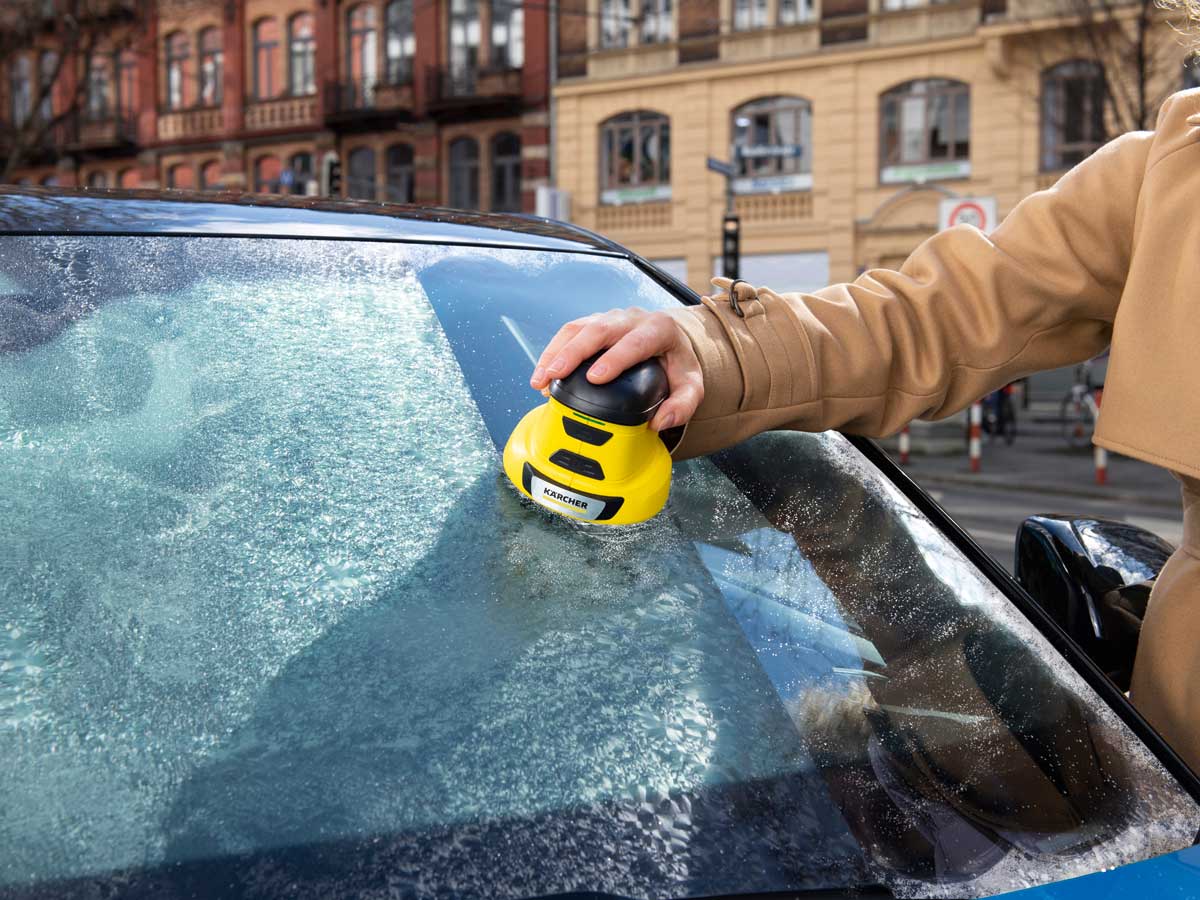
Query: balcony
x=366, y=99
x=187, y=124
x=281, y=112
x=902, y=21
x=110, y=130
x=470, y=91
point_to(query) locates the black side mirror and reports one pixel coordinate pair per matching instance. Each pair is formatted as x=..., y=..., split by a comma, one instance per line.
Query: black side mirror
x=1091, y=576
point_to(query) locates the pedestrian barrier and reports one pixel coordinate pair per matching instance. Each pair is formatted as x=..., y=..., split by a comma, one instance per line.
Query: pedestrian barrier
x=975, y=437
x=905, y=445
x=1099, y=454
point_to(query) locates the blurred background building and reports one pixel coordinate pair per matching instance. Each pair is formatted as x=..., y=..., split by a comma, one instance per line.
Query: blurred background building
x=429, y=101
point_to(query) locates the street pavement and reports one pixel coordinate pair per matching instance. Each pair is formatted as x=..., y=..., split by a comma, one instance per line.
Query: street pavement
x=1040, y=474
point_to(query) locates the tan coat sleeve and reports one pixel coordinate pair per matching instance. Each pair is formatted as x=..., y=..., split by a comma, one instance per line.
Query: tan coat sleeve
x=965, y=314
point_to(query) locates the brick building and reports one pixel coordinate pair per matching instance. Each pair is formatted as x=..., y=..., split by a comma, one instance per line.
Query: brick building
x=427, y=101
x=848, y=121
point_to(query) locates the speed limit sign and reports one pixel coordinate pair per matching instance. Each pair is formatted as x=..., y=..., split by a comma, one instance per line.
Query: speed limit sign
x=977, y=211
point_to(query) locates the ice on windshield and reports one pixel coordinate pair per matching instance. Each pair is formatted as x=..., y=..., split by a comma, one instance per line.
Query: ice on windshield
x=265, y=591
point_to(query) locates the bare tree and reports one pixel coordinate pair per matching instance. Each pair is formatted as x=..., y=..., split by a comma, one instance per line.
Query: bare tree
x=46, y=103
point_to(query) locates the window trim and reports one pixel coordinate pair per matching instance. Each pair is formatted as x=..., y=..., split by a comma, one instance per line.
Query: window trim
x=952, y=167
x=614, y=192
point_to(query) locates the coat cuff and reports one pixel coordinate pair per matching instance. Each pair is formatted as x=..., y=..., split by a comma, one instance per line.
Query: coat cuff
x=757, y=361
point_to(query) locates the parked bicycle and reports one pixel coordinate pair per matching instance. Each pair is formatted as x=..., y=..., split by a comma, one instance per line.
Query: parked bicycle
x=1081, y=407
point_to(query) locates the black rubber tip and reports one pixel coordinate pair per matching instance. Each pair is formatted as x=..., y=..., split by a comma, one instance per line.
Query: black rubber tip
x=629, y=399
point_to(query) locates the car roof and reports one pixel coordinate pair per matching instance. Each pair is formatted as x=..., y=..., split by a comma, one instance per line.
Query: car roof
x=76, y=211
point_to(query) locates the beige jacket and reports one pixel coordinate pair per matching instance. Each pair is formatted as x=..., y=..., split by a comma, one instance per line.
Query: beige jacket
x=1111, y=254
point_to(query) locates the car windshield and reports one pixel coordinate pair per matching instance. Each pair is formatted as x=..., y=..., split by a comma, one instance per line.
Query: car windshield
x=272, y=620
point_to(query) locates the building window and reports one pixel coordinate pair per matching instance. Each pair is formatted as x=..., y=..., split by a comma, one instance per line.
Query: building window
x=658, y=21
x=362, y=68
x=749, y=14
x=302, y=56
x=97, y=90
x=795, y=12
x=97, y=180
x=301, y=166
x=508, y=34
x=400, y=179
x=266, y=174
x=360, y=185
x=925, y=131
x=210, y=176
x=506, y=173
x=464, y=44
x=127, y=84
x=635, y=154
x=399, y=42
x=178, y=54
x=1073, y=95
x=772, y=145
x=128, y=179
x=615, y=22
x=266, y=50
x=464, y=173
x=20, y=84
x=47, y=66
x=212, y=67
x=179, y=177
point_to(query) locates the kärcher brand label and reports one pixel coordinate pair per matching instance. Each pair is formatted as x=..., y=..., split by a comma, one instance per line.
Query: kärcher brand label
x=564, y=501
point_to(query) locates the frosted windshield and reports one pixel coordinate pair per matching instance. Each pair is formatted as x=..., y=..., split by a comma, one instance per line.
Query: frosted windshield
x=270, y=616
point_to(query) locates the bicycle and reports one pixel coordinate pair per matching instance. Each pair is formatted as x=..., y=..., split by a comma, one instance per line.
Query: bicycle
x=1081, y=408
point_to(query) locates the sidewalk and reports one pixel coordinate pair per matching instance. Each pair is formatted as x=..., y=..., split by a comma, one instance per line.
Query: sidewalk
x=1040, y=461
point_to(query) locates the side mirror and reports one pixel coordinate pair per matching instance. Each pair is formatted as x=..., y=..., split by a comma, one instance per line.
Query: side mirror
x=1090, y=575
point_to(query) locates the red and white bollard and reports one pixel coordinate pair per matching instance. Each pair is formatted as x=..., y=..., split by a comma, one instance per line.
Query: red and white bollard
x=975, y=437
x=1101, y=459
x=905, y=445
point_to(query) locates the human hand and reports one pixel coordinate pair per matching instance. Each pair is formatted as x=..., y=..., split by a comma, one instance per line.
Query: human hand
x=630, y=336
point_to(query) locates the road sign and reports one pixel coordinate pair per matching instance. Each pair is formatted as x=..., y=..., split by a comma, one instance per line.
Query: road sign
x=731, y=233
x=771, y=151
x=720, y=167
x=977, y=211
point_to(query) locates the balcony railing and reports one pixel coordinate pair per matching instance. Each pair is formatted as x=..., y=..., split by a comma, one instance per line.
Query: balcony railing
x=456, y=86
x=366, y=95
x=189, y=123
x=93, y=129
x=280, y=112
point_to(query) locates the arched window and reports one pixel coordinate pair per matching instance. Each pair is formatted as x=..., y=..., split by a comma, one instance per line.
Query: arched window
x=266, y=174
x=635, y=158
x=925, y=131
x=178, y=64
x=180, y=177
x=399, y=41
x=302, y=56
x=98, y=94
x=128, y=178
x=266, y=54
x=127, y=95
x=400, y=187
x=97, y=180
x=20, y=84
x=301, y=166
x=362, y=67
x=772, y=145
x=212, y=67
x=508, y=33
x=210, y=175
x=1073, y=95
x=464, y=173
x=506, y=173
x=50, y=181
x=360, y=185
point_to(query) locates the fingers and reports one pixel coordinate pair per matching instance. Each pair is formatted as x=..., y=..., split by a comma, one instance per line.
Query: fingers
x=653, y=334
x=686, y=381
x=540, y=378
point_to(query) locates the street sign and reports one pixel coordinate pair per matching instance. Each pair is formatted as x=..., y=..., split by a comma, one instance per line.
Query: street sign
x=977, y=211
x=771, y=151
x=731, y=231
x=720, y=167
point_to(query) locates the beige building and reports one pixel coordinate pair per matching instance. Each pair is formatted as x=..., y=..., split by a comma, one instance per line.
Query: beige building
x=847, y=125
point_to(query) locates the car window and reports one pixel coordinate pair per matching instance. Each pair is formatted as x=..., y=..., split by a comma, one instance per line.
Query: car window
x=270, y=615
